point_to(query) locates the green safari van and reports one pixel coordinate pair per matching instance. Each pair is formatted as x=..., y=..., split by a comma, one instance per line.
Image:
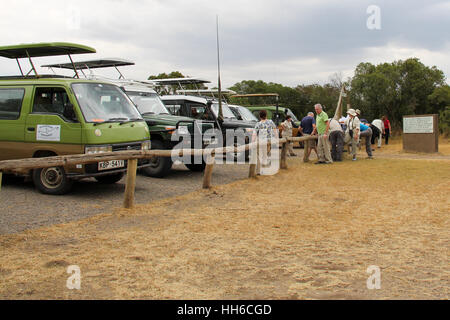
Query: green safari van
x=43, y=116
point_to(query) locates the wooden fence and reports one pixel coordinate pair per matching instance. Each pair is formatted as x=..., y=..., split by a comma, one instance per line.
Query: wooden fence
x=133, y=156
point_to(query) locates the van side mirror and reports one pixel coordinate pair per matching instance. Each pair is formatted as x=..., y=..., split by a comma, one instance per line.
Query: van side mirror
x=69, y=112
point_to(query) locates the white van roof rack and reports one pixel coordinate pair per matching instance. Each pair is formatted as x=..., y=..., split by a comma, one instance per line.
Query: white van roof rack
x=43, y=50
x=94, y=64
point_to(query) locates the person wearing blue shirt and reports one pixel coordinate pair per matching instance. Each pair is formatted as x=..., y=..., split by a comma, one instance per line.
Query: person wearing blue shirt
x=306, y=128
x=366, y=132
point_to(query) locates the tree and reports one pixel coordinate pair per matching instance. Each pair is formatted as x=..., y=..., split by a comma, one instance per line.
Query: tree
x=173, y=74
x=395, y=89
x=174, y=88
x=440, y=103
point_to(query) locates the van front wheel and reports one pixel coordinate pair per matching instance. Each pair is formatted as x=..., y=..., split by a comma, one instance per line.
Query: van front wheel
x=159, y=167
x=52, y=181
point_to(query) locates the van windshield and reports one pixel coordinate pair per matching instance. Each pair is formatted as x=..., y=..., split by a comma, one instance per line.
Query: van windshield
x=148, y=103
x=104, y=103
x=247, y=115
x=289, y=113
x=227, y=113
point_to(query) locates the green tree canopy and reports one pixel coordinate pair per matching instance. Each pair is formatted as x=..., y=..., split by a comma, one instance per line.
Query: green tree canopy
x=395, y=89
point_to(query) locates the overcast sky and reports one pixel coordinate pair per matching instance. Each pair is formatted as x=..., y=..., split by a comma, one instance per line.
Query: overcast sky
x=289, y=42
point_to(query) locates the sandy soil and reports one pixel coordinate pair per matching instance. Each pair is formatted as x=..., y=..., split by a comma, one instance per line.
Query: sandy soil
x=310, y=232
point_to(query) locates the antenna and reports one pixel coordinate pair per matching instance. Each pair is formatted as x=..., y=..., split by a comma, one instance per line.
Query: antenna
x=218, y=70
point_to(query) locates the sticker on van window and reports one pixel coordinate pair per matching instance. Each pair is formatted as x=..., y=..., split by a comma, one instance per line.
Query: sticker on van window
x=48, y=133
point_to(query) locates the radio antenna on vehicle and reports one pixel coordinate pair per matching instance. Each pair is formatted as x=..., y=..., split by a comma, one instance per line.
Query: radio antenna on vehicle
x=218, y=70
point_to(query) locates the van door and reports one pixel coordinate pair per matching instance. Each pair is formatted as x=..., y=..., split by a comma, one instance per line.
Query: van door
x=13, y=113
x=47, y=127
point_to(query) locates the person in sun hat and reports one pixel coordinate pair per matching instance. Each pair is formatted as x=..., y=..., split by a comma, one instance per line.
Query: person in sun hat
x=352, y=133
x=358, y=113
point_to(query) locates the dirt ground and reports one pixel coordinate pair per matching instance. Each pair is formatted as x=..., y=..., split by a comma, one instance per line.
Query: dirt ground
x=309, y=232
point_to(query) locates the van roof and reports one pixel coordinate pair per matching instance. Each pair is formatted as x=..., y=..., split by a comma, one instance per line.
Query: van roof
x=256, y=95
x=92, y=64
x=43, y=50
x=271, y=108
x=45, y=80
x=181, y=97
x=206, y=92
x=180, y=81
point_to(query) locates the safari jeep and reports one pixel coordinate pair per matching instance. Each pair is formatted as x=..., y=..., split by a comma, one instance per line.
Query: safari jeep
x=163, y=126
x=42, y=116
x=203, y=104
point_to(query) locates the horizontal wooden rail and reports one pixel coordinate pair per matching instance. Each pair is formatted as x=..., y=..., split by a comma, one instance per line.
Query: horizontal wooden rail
x=133, y=155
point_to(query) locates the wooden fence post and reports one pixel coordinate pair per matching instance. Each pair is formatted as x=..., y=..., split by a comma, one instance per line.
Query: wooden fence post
x=254, y=161
x=283, y=163
x=128, y=203
x=306, y=151
x=208, y=171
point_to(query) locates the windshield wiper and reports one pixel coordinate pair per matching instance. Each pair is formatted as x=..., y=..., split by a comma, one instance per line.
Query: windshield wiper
x=131, y=120
x=112, y=120
x=147, y=113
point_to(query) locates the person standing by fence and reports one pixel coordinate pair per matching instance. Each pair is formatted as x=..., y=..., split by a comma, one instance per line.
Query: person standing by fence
x=322, y=128
x=387, y=129
x=366, y=132
x=287, y=133
x=307, y=127
x=265, y=131
x=352, y=133
x=380, y=125
x=337, y=140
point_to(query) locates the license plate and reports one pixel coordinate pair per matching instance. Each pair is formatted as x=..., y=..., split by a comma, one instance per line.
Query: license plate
x=209, y=141
x=113, y=164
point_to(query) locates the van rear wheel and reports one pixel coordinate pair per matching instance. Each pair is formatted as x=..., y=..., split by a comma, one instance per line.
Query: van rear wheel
x=52, y=181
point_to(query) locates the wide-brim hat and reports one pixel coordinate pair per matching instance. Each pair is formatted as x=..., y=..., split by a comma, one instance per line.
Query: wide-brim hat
x=358, y=111
x=351, y=112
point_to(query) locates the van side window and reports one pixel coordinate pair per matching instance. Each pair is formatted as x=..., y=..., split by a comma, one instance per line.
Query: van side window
x=11, y=103
x=174, y=109
x=50, y=100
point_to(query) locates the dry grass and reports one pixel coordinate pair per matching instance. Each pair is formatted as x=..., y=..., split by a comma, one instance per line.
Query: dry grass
x=309, y=232
x=395, y=147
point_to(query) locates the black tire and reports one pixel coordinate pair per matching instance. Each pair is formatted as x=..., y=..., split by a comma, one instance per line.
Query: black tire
x=111, y=178
x=159, y=166
x=52, y=181
x=196, y=167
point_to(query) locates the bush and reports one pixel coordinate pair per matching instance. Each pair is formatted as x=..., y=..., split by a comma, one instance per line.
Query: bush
x=444, y=121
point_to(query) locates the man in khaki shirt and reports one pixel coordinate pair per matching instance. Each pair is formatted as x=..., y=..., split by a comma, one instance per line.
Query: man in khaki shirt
x=352, y=133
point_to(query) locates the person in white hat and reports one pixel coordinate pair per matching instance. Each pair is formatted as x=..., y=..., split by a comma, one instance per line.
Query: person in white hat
x=352, y=132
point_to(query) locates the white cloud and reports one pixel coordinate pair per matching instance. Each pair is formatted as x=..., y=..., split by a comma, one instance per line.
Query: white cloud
x=288, y=41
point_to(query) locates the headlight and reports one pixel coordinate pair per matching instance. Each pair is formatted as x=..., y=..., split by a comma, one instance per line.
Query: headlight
x=147, y=145
x=97, y=149
x=183, y=130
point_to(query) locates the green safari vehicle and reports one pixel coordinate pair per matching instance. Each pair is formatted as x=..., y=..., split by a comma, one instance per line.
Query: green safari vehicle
x=42, y=116
x=162, y=124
